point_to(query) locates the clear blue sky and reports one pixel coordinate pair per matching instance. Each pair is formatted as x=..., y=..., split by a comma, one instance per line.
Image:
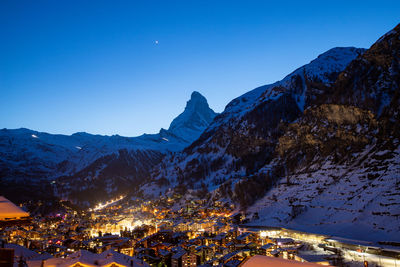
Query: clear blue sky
x=94, y=66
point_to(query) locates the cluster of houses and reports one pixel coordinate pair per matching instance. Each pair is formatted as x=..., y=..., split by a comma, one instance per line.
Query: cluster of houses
x=231, y=248
x=192, y=235
x=20, y=256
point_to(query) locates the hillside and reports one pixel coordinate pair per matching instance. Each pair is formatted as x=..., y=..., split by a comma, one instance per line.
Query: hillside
x=318, y=150
x=73, y=164
x=243, y=138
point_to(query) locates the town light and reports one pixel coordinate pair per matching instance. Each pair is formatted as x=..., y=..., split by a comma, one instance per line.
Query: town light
x=263, y=234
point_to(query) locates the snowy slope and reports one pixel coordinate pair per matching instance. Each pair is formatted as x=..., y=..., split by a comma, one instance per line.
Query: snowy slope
x=49, y=151
x=28, y=156
x=342, y=176
x=342, y=159
x=323, y=69
x=317, y=151
x=342, y=200
x=243, y=137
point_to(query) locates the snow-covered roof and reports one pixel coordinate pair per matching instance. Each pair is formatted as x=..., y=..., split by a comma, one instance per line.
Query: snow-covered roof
x=265, y=261
x=243, y=236
x=313, y=258
x=88, y=259
x=27, y=254
x=164, y=252
x=268, y=246
x=9, y=211
x=284, y=240
x=179, y=254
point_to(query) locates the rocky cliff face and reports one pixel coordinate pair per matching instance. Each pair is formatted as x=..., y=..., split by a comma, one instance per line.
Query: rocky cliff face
x=372, y=80
x=324, y=131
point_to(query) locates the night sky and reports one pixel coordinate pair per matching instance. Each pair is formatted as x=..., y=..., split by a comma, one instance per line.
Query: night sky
x=128, y=67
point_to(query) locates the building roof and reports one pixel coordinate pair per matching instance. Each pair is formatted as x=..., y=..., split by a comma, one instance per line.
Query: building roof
x=233, y=263
x=26, y=253
x=9, y=211
x=164, y=252
x=179, y=254
x=268, y=246
x=243, y=236
x=88, y=259
x=265, y=261
x=314, y=257
x=229, y=256
x=284, y=240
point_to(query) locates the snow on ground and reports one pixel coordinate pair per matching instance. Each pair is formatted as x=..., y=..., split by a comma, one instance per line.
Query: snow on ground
x=265, y=261
x=86, y=258
x=339, y=199
x=320, y=69
x=31, y=152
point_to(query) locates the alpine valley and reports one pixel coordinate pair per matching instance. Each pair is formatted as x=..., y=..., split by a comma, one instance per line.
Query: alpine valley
x=316, y=151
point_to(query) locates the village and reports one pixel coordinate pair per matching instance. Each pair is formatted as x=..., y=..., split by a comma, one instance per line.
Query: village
x=159, y=233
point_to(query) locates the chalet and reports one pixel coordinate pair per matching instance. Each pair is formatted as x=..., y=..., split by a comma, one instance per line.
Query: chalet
x=205, y=253
x=236, y=255
x=266, y=249
x=190, y=259
x=246, y=238
x=165, y=256
x=176, y=259
x=183, y=258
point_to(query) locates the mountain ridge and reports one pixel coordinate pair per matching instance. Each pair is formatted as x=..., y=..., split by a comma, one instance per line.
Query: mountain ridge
x=228, y=140
x=29, y=155
x=318, y=150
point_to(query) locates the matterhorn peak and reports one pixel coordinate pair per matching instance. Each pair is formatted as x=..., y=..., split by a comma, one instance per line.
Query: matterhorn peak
x=194, y=119
x=197, y=102
x=197, y=96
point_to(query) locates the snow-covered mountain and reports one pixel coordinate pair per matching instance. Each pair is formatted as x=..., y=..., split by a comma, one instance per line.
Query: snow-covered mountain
x=343, y=158
x=31, y=157
x=195, y=118
x=318, y=150
x=242, y=138
x=343, y=176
